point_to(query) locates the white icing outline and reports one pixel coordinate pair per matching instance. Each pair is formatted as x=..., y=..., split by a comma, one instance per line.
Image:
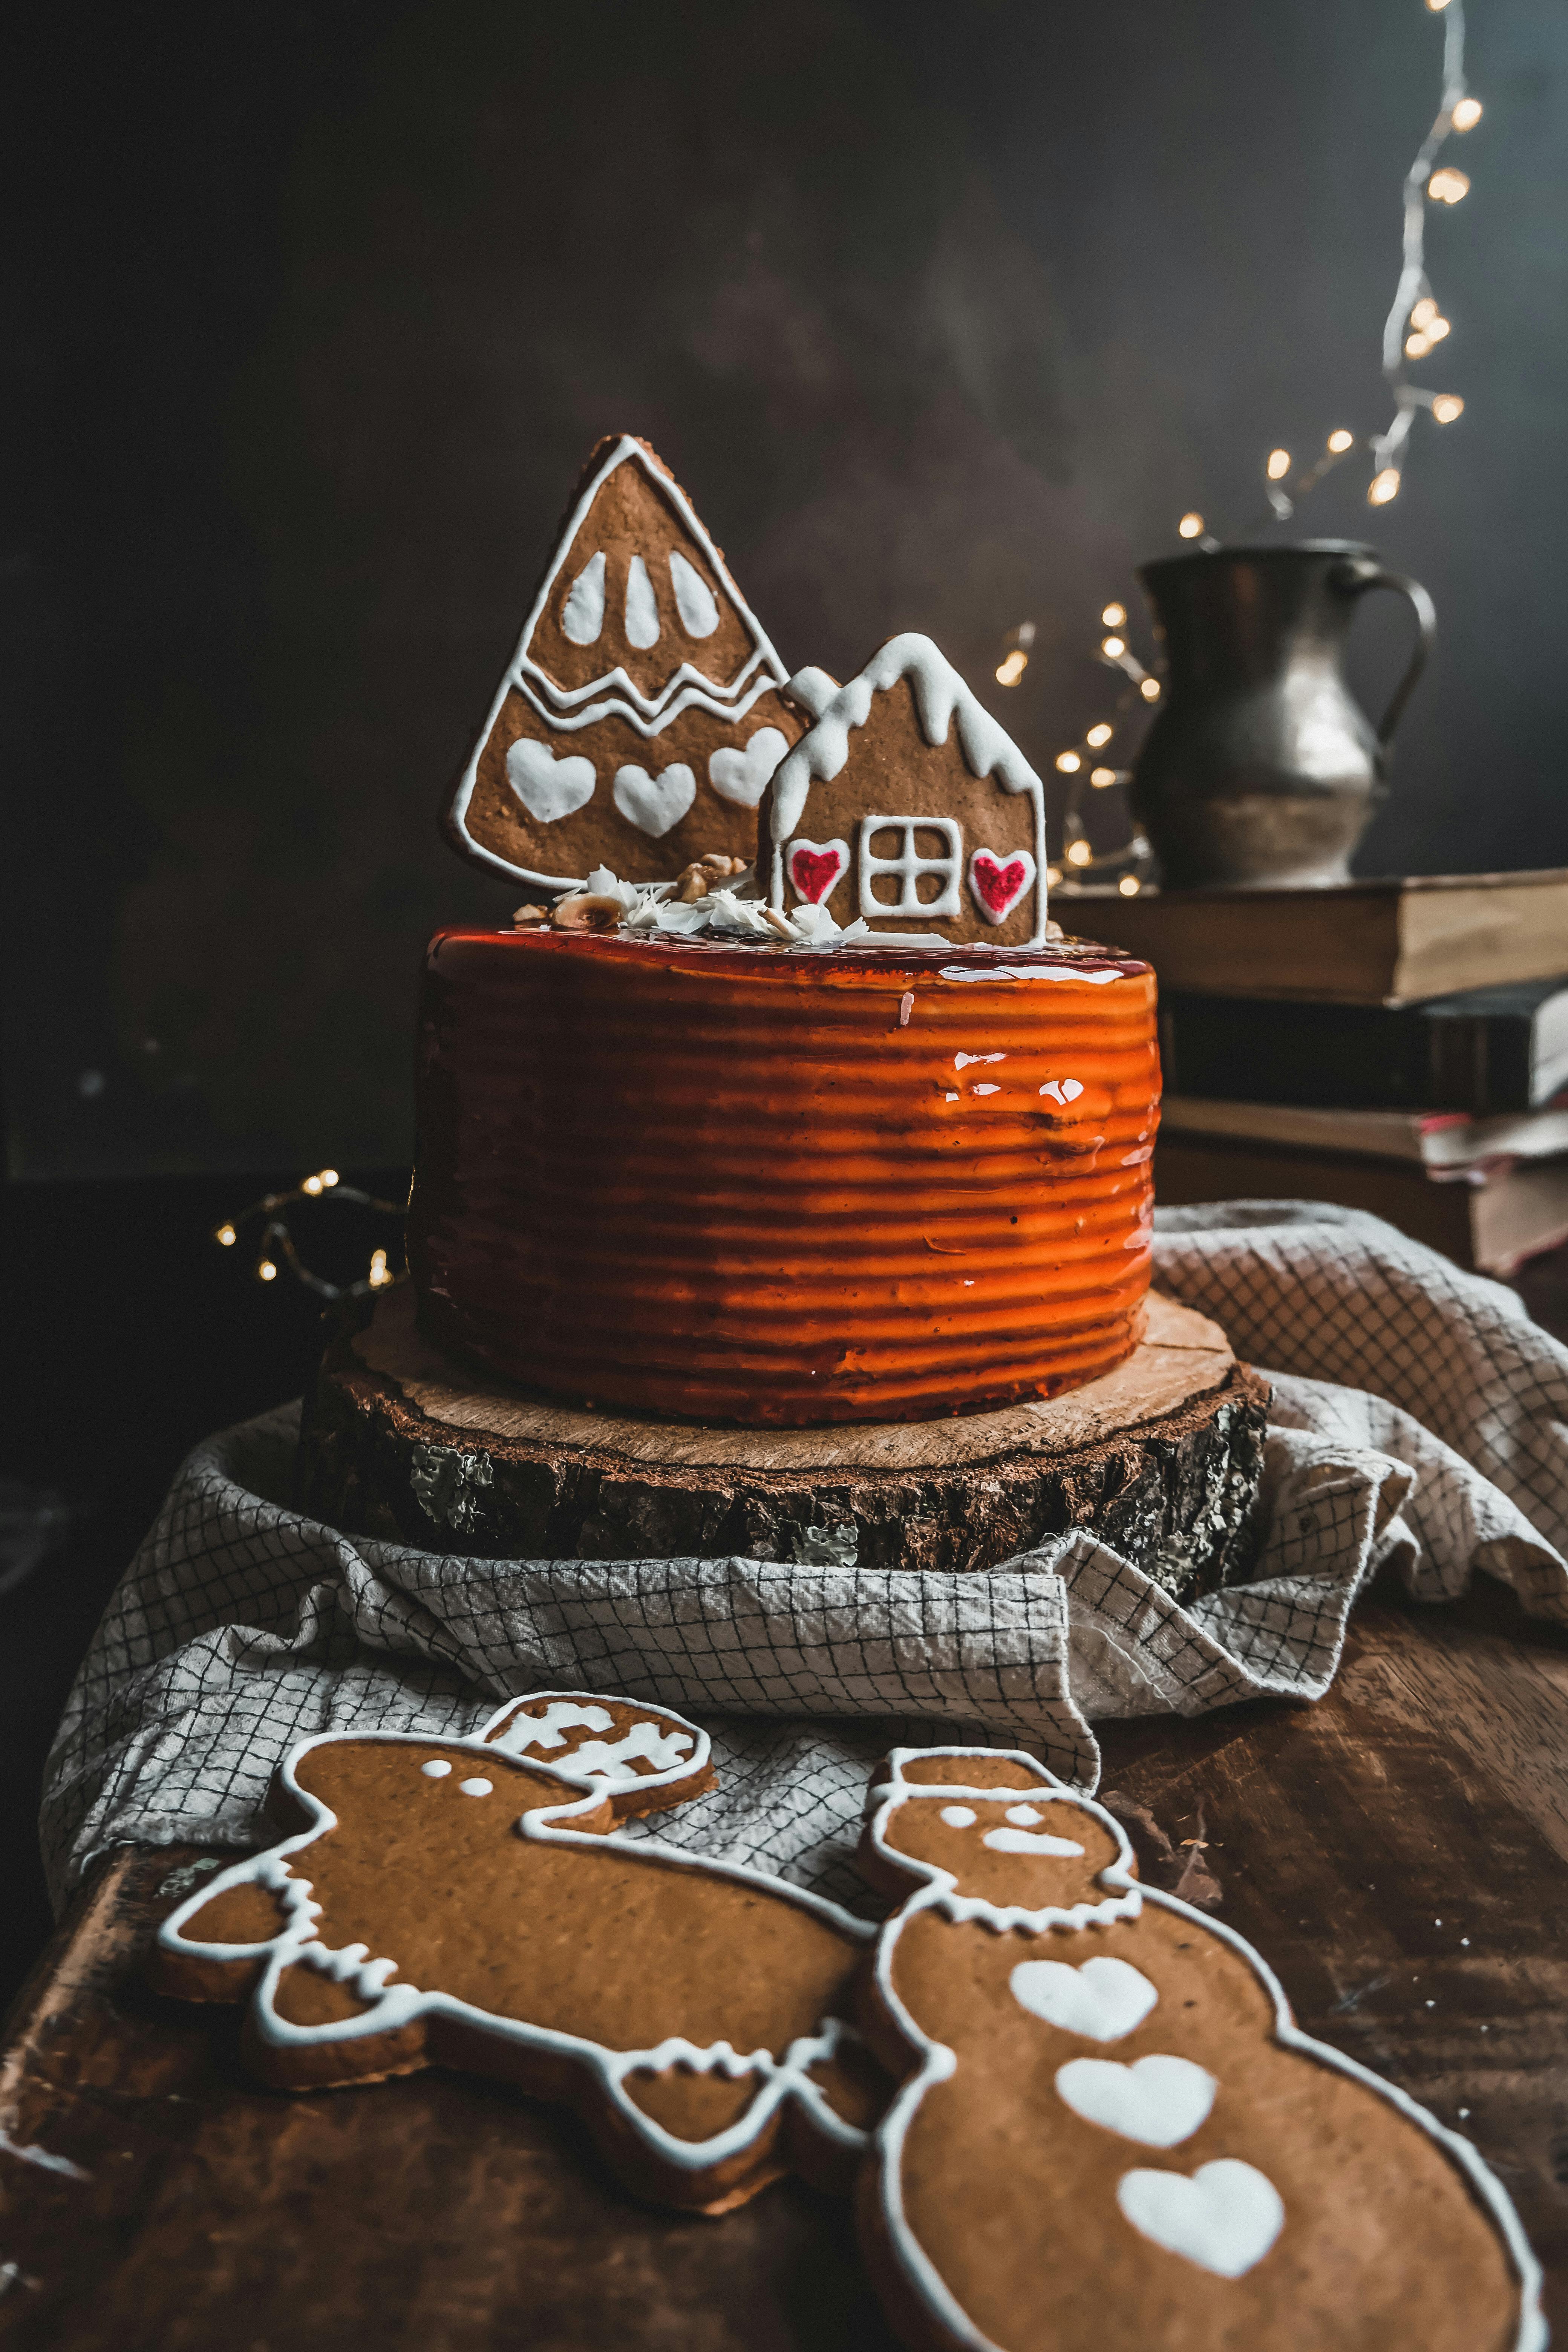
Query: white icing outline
x=940, y=695
x=393, y=2007
x=936, y=2062
x=558, y=707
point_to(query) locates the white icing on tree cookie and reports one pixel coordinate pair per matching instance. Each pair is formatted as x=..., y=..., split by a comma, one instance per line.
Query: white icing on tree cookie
x=583, y=614
x=642, y=606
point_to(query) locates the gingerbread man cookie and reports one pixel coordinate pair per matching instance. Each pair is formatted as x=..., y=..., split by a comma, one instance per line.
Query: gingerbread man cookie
x=1115, y=2135
x=640, y=718
x=467, y=1902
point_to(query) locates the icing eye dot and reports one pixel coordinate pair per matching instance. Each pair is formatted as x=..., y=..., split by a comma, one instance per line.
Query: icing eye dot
x=958, y=1817
x=436, y=1768
x=475, y=1788
x=1025, y=1816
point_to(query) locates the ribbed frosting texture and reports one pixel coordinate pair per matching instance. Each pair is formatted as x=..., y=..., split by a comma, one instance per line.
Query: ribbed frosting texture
x=738, y=1185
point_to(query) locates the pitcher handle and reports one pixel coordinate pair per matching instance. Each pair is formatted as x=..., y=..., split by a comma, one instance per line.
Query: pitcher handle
x=1361, y=572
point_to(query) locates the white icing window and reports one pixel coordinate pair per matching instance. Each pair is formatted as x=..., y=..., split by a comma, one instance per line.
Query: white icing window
x=642, y=608
x=583, y=614
x=908, y=867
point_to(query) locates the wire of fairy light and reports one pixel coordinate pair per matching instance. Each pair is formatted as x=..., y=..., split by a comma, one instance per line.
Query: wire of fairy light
x=1415, y=326
x=276, y=1246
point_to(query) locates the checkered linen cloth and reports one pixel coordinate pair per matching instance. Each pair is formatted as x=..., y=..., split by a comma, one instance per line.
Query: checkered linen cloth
x=1420, y=1418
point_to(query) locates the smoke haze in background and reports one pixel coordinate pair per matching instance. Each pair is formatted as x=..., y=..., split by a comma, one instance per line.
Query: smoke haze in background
x=942, y=311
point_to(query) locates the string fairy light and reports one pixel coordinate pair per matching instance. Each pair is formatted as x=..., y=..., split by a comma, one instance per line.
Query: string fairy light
x=1415, y=326
x=277, y=1247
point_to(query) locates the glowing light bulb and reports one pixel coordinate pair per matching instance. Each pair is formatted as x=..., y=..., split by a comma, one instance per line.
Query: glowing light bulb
x=1098, y=735
x=1053, y=875
x=1448, y=185
x=1101, y=777
x=1422, y=316
x=1437, y=328
x=311, y=1184
x=1383, y=486
x=1130, y=885
x=1341, y=441
x=265, y=1270
x=1113, y=648
x=1012, y=669
x=378, y=1276
x=226, y=1235
x=1278, y=465
x=1113, y=615
x=1436, y=6
x=1446, y=407
x=1466, y=114
x=1078, y=853
x=1068, y=763
x=1416, y=347
x=329, y=1176
x=1150, y=690
x=1189, y=526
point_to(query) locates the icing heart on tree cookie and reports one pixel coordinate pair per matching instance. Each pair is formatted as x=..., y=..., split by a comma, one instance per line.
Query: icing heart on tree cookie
x=548, y=788
x=655, y=803
x=468, y=1902
x=1055, y=2022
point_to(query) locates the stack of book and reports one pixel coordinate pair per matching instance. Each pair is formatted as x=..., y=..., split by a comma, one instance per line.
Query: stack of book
x=1400, y=1046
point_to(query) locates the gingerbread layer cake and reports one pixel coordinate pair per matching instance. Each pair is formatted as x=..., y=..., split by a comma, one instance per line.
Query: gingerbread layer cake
x=782, y=1185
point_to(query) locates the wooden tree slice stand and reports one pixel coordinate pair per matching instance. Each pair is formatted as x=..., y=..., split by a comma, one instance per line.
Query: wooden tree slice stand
x=1161, y=1458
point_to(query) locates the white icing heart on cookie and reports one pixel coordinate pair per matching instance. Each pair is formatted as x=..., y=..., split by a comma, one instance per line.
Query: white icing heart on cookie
x=653, y=803
x=1225, y=2218
x=548, y=788
x=745, y=776
x=996, y=884
x=1103, y=1999
x=1159, y=2101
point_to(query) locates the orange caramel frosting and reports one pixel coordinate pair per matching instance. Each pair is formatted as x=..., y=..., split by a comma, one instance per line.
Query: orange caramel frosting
x=782, y=1186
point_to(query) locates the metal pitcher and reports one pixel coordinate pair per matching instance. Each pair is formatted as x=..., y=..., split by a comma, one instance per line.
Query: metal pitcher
x=1261, y=770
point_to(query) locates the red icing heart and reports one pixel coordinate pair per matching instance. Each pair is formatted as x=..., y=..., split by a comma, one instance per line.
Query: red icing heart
x=999, y=887
x=815, y=867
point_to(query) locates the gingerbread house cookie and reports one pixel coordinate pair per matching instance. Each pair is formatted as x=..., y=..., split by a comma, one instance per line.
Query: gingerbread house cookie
x=907, y=805
x=467, y=1902
x=1115, y=2135
x=640, y=718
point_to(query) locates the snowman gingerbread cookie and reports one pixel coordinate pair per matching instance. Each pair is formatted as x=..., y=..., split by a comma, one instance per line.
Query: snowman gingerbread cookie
x=1113, y=2134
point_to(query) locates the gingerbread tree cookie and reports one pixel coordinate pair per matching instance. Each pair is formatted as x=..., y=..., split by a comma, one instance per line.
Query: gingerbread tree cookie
x=909, y=805
x=466, y=1902
x=640, y=718
x=1115, y=2135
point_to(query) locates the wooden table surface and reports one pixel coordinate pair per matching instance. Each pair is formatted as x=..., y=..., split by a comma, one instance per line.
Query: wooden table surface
x=1399, y=1852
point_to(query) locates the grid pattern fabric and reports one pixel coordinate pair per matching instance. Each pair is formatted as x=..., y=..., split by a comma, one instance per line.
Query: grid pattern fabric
x=1420, y=1420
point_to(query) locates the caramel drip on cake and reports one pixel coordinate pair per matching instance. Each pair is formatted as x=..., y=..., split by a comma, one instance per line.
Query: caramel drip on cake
x=732, y=1186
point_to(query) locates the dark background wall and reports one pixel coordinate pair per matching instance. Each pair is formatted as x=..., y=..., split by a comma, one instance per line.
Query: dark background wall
x=943, y=310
